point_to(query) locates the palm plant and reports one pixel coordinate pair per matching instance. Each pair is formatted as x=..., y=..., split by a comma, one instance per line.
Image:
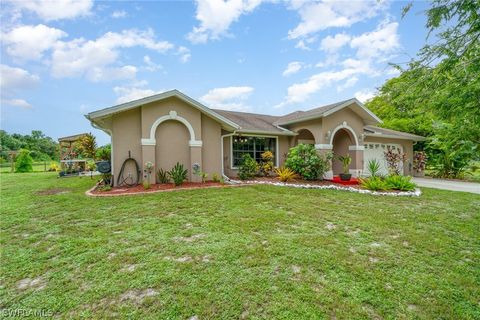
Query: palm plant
x=373, y=167
x=346, y=161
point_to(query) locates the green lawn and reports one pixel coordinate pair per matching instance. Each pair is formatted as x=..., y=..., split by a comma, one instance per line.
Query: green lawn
x=248, y=252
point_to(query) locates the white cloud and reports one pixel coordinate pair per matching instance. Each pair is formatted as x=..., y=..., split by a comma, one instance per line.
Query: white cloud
x=19, y=103
x=133, y=92
x=317, y=16
x=55, y=10
x=301, y=45
x=30, y=42
x=228, y=98
x=93, y=59
x=119, y=14
x=373, y=44
x=293, y=67
x=150, y=65
x=371, y=49
x=332, y=44
x=216, y=16
x=348, y=84
x=300, y=92
x=364, y=95
x=184, y=54
x=13, y=80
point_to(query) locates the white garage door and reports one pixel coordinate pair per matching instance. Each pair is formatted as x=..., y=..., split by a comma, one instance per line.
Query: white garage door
x=376, y=151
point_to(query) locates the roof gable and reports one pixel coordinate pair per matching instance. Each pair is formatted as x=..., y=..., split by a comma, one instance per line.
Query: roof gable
x=298, y=116
x=99, y=114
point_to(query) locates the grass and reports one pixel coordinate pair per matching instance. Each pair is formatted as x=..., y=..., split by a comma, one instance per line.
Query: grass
x=39, y=166
x=248, y=252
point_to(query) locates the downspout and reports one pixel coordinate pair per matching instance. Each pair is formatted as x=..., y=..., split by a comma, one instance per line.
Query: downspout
x=221, y=153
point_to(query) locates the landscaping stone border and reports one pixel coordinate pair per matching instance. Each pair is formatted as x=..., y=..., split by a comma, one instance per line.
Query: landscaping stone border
x=236, y=183
x=416, y=193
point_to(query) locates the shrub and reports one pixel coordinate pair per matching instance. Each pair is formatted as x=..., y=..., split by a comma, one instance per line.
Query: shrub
x=285, y=174
x=304, y=160
x=104, y=153
x=373, y=167
x=215, y=177
x=162, y=176
x=393, y=160
x=402, y=183
x=266, y=164
x=91, y=166
x=419, y=161
x=53, y=167
x=248, y=169
x=178, y=174
x=374, y=183
x=23, y=161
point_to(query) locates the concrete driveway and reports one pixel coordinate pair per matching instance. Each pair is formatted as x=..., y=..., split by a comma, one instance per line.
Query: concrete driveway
x=471, y=187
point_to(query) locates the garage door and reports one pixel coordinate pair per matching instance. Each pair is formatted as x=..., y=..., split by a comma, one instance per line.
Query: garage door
x=376, y=151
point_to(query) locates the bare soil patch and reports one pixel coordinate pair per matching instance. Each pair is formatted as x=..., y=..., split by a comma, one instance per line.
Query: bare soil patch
x=52, y=191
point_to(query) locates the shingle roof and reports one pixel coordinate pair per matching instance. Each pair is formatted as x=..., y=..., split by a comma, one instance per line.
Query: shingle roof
x=298, y=115
x=253, y=121
x=377, y=131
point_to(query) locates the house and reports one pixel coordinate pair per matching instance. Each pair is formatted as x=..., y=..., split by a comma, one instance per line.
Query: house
x=170, y=127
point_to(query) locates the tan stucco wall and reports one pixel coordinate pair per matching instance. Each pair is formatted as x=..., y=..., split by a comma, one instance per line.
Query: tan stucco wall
x=172, y=146
x=126, y=131
x=172, y=138
x=152, y=111
x=336, y=119
x=211, y=131
x=407, y=146
x=314, y=126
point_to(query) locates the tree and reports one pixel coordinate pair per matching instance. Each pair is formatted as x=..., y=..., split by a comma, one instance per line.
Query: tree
x=87, y=146
x=23, y=161
x=438, y=94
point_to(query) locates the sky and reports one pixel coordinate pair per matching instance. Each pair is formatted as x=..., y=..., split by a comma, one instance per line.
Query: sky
x=63, y=59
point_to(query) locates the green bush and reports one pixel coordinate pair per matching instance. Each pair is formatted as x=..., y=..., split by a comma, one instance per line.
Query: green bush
x=305, y=161
x=402, y=183
x=178, y=174
x=248, y=169
x=373, y=167
x=374, y=184
x=23, y=161
x=162, y=176
x=215, y=177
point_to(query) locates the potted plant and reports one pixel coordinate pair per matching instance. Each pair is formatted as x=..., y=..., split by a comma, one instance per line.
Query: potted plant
x=346, y=160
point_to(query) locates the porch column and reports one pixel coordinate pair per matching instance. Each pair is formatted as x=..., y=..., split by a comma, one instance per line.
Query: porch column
x=195, y=157
x=356, y=167
x=323, y=149
x=148, y=154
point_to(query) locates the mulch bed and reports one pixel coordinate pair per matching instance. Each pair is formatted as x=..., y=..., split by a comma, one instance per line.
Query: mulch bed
x=139, y=189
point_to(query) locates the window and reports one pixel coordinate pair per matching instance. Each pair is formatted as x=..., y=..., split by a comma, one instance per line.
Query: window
x=254, y=146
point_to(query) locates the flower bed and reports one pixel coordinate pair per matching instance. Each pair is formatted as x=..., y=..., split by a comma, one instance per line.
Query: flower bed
x=161, y=187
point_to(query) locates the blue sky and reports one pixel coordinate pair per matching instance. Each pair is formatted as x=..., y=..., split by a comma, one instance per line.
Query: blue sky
x=63, y=59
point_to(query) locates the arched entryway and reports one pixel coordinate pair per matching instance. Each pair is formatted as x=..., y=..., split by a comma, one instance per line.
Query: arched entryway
x=175, y=140
x=304, y=136
x=342, y=139
x=172, y=145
